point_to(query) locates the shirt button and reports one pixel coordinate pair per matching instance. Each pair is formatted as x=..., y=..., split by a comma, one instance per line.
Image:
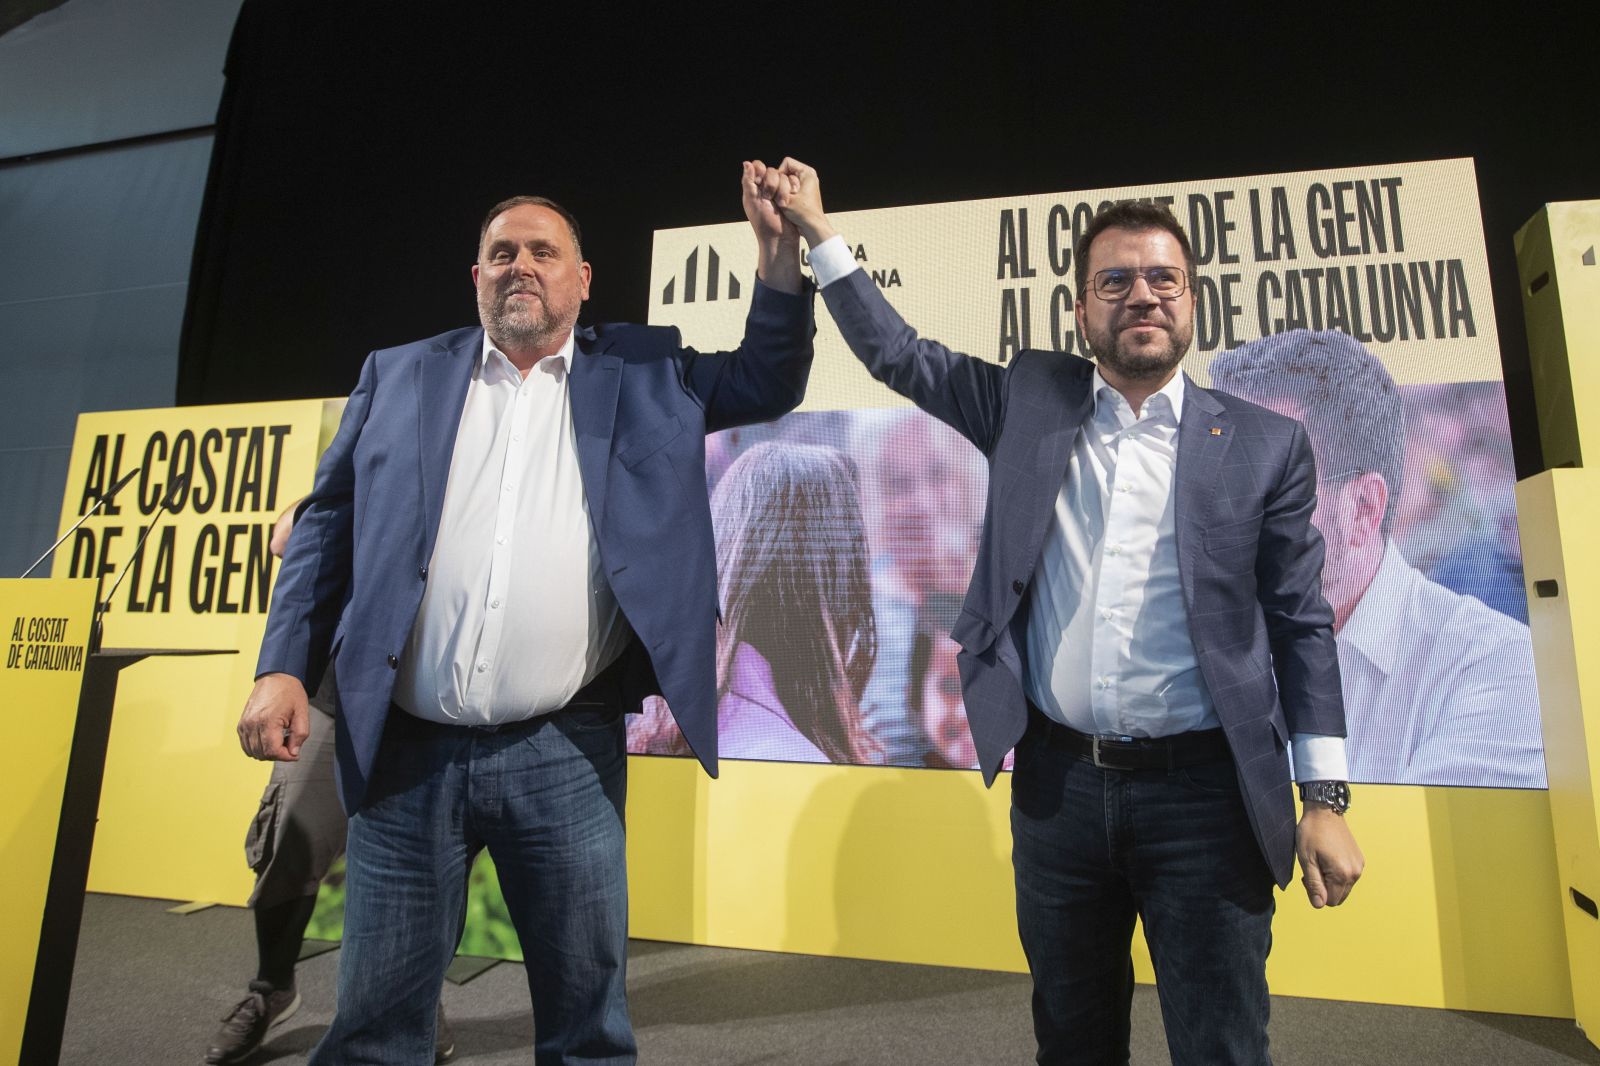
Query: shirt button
x=1017, y=587
x=393, y=662
x=501, y=539
x=1108, y=615
x=494, y=603
x=483, y=666
x=516, y=437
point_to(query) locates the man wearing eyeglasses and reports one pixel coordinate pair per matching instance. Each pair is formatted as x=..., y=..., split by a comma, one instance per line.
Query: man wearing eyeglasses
x=1145, y=625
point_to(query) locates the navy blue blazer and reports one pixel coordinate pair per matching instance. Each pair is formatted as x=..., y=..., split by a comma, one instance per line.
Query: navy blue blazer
x=352, y=576
x=1249, y=560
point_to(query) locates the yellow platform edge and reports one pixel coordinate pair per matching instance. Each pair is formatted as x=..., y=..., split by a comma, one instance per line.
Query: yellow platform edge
x=1458, y=908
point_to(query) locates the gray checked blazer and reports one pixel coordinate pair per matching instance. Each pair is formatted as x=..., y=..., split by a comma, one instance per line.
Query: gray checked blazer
x=1249, y=559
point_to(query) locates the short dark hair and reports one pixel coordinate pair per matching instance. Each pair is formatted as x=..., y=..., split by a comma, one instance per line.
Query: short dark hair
x=1349, y=404
x=1134, y=215
x=533, y=201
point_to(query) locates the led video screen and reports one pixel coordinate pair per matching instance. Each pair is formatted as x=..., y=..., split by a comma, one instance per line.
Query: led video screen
x=1356, y=301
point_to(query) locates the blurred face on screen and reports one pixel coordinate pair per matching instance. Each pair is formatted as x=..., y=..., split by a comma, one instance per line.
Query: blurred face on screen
x=944, y=717
x=1137, y=336
x=1349, y=515
x=530, y=279
x=924, y=505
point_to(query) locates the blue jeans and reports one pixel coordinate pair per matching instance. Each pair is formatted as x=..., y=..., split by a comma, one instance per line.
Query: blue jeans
x=545, y=797
x=1095, y=848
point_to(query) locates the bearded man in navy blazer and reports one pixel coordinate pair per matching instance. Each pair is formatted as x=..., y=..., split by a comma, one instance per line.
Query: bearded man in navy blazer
x=1145, y=625
x=508, y=546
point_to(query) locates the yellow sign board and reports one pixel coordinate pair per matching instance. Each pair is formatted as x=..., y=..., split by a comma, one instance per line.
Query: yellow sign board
x=47, y=628
x=1392, y=255
x=178, y=792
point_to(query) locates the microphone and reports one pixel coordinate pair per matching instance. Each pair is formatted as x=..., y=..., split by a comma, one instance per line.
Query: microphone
x=104, y=499
x=123, y=480
x=174, y=489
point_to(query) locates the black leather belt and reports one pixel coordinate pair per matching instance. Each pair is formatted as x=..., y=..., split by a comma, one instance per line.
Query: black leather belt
x=1133, y=753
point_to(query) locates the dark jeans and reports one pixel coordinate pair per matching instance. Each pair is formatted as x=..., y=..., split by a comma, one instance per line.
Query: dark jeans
x=1093, y=849
x=546, y=798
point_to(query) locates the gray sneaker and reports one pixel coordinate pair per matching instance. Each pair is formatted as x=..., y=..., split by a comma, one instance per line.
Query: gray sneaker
x=245, y=1027
x=444, y=1041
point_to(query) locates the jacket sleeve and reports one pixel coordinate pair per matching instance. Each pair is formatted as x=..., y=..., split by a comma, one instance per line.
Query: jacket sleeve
x=1299, y=621
x=765, y=376
x=315, y=574
x=965, y=393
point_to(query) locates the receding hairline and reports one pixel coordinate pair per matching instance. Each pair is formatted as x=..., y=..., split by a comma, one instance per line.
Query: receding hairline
x=512, y=203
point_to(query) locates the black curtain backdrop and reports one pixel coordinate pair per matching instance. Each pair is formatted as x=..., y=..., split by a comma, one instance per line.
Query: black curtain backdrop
x=358, y=144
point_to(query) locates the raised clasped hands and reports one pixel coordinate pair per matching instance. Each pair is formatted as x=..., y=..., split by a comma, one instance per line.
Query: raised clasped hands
x=756, y=187
x=777, y=238
x=793, y=191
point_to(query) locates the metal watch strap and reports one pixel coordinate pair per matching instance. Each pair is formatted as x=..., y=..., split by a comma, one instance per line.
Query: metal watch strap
x=1335, y=795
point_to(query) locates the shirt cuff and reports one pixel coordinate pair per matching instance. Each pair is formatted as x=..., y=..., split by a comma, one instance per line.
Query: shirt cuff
x=1318, y=757
x=832, y=260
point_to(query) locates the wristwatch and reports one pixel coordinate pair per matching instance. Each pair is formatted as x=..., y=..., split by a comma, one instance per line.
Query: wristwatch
x=1334, y=795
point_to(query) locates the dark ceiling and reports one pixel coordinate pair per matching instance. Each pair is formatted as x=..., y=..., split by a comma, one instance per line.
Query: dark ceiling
x=14, y=13
x=358, y=142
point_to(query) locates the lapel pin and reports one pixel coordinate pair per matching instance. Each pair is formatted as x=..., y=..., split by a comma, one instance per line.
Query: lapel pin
x=1216, y=431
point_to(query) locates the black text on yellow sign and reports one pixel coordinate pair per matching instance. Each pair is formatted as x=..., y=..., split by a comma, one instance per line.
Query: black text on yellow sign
x=1271, y=261
x=40, y=643
x=210, y=555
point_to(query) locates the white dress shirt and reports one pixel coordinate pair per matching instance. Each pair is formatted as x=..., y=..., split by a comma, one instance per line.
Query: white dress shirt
x=1109, y=650
x=1438, y=688
x=516, y=615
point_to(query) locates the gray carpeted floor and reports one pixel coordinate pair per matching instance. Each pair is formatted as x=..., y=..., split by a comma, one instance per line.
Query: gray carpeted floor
x=150, y=988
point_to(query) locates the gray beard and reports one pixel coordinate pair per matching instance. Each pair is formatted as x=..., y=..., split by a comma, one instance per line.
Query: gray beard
x=510, y=329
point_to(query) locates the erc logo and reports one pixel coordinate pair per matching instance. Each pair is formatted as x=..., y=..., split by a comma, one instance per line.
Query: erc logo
x=691, y=278
x=883, y=277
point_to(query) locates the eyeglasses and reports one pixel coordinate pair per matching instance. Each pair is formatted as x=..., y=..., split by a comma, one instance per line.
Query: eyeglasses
x=1165, y=282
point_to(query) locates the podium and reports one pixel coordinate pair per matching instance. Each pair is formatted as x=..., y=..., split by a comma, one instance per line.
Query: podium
x=61, y=763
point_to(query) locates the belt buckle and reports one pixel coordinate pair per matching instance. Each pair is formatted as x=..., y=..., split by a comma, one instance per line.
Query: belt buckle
x=1101, y=763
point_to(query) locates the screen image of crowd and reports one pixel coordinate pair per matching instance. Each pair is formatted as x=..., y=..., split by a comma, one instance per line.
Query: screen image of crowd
x=845, y=540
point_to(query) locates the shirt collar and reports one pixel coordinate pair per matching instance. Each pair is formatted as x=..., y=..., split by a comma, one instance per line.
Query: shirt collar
x=565, y=354
x=1372, y=628
x=1173, y=392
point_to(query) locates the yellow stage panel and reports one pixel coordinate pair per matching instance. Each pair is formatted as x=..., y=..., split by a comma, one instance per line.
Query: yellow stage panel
x=1561, y=509
x=47, y=623
x=1457, y=909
